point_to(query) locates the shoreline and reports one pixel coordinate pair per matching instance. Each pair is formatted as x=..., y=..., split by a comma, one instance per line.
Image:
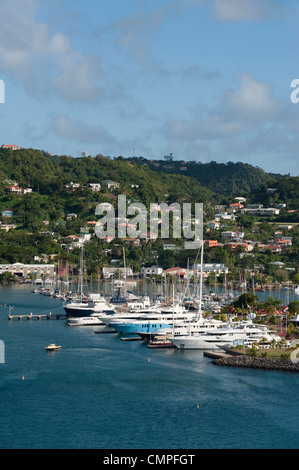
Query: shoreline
x=262, y=363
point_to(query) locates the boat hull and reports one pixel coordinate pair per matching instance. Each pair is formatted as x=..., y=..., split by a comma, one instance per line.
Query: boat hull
x=133, y=328
x=73, y=311
x=194, y=343
x=84, y=321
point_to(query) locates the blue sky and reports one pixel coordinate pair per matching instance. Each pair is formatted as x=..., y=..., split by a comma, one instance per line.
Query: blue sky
x=203, y=79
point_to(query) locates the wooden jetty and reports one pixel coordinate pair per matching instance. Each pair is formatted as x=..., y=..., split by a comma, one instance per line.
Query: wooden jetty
x=131, y=338
x=37, y=316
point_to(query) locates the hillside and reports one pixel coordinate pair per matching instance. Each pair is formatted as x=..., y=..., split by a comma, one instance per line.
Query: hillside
x=228, y=179
x=48, y=176
x=50, y=216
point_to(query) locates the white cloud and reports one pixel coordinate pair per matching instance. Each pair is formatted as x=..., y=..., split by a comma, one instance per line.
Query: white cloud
x=42, y=61
x=134, y=35
x=248, y=122
x=238, y=111
x=252, y=102
x=243, y=10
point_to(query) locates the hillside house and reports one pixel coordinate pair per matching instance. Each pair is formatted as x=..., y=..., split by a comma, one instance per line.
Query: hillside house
x=111, y=184
x=7, y=213
x=11, y=147
x=14, y=189
x=95, y=186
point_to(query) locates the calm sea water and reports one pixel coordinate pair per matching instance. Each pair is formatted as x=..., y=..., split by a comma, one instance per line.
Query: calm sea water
x=98, y=392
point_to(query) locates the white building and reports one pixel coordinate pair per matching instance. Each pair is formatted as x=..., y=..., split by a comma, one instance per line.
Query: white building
x=213, y=225
x=110, y=272
x=208, y=268
x=23, y=270
x=72, y=185
x=258, y=209
x=228, y=234
x=12, y=147
x=111, y=184
x=95, y=186
x=7, y=227
x=151, y=271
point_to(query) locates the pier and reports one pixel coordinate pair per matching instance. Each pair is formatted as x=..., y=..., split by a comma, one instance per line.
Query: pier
x=131, y=338
x=31, y=316
x=215, y=354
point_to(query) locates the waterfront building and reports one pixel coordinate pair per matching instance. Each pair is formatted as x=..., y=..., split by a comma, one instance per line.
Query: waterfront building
x=24, y=270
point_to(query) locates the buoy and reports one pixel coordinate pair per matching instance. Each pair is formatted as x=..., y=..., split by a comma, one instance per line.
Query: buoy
x=23, y=377
x=148, y=359
x=197, y=406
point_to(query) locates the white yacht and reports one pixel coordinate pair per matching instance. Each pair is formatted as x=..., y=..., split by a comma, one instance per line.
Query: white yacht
x=145, y=325
x=91, y=320
x=133, y=314
x=194, y=326
x=135, y=302
x=243, y=333
x=95, y=303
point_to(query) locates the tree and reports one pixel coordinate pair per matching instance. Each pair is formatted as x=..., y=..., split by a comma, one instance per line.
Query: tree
x=169, y=158
x=294, y=307
x=246, y=299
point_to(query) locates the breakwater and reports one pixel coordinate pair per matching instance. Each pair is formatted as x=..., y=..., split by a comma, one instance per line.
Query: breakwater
x=274, y=364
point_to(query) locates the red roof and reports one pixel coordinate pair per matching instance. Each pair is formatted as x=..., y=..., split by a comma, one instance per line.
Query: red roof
x=8, y=146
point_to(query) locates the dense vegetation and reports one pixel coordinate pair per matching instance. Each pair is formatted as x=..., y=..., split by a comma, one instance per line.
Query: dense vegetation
x=41, y=221
x=224, y=178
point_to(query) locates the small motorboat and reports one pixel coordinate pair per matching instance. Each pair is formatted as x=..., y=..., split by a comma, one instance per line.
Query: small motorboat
x=52, y=347
x=160, y=342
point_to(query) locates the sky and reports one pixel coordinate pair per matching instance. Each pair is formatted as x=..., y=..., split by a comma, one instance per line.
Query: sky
x=205, y=80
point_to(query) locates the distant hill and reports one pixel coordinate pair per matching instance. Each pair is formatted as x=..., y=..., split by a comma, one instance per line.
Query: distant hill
x=48, y=174
x=223, y=178
x=285, y=189
x=143, y=179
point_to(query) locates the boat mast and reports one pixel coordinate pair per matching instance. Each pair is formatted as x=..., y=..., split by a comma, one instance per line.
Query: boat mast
x=201, y=276
x=81, y=275
x=125, y=273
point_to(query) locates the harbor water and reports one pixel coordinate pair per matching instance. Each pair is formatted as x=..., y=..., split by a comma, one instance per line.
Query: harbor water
x=98, y=392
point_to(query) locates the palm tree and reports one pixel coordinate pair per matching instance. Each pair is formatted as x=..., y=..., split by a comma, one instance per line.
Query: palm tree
x=271, y=309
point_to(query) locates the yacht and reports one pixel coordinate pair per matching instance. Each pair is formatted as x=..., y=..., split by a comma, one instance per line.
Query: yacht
x=138, y=303
x=296, y=289
x=148, y=323
x=194, y=326
x=160, y=342
x=117, y=299
x=95, y=303
x=52, y=347
x=133, y=314
x=244, y=333
x=91, y=320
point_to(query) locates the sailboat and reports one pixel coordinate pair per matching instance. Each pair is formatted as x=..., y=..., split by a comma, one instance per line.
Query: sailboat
x=197, y=324
x=86, y=305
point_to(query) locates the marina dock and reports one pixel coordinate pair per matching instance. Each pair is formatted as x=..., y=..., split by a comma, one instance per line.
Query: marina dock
x=32, y=316
x=131, y=338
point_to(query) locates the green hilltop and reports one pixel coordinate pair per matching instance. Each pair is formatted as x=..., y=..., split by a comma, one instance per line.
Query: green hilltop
x=222, y=178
